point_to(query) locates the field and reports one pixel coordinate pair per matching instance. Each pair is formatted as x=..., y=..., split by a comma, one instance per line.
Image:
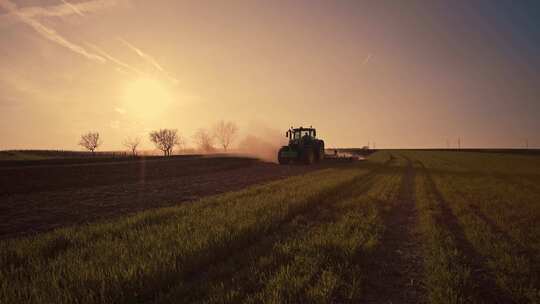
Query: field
x=31, y=155
x=41, y=195
x=401, y=227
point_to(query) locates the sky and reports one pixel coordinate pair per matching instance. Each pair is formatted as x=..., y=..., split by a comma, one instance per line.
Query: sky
x=400, y=74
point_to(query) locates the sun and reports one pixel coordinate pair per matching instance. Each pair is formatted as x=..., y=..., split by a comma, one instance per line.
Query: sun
x=146, y=99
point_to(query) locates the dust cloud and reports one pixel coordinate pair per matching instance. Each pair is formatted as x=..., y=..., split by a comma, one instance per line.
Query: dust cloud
x=264, y=144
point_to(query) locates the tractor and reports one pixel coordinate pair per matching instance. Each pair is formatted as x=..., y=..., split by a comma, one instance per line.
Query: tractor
x=303, y=147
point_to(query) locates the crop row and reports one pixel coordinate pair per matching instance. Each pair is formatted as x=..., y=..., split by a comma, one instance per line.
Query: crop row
x=447, y=276
x=319, y=258
x=160, y=255
x=496, y=215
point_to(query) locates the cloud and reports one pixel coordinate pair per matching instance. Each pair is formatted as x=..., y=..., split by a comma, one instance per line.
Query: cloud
x=48, y=33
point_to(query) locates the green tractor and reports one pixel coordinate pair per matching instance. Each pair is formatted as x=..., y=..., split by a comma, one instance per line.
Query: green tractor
x=303, y=147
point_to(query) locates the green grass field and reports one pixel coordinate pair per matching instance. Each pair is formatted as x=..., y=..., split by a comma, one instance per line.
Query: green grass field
x=463, y=225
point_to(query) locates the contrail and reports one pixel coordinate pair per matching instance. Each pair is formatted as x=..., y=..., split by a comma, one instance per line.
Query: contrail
x=50, y=34
x=26, y=15
x=150, y=60
x=73, y=7
x=124, y=65
x=61, y=10
x=368, y=57
x=143, y=55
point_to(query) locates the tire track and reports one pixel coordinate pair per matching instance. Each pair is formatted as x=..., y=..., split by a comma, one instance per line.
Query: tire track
x=319, y=211
x=484, y=290
x=396, y=273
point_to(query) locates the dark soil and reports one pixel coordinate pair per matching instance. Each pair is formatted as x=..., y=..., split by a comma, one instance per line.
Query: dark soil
x=35, y=199
x=45, y=175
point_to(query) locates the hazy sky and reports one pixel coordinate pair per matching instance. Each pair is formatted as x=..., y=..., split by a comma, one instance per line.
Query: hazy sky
x=400, y=73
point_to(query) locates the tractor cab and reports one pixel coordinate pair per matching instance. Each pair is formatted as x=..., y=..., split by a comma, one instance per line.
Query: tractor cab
x=301, y=135
x=303, y=146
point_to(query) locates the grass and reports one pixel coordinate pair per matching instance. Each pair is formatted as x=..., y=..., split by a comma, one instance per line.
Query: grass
x=308, y=239
x=319, y=258
x=496, y=207
x=447, y=274
x=138, y=257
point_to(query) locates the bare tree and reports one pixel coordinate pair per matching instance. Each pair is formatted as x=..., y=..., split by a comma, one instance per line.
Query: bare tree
x=165, y=140
x=132, y=144
x=225, y=132
x=90, y=141
x=204, y=140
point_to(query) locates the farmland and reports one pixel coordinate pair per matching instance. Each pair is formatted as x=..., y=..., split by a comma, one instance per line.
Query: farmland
x=403, y=227
x=41, y=195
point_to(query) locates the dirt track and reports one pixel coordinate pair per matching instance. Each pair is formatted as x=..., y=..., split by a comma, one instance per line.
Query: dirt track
x=40, y=198
x=395, y=273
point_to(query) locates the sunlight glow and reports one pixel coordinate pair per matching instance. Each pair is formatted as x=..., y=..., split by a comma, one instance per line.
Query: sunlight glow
x=146, y=98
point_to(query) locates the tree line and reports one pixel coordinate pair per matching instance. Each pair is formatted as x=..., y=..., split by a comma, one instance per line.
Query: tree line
x=222, y=133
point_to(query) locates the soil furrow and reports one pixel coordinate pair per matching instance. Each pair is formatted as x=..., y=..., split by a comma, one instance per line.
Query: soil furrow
x=395, y=274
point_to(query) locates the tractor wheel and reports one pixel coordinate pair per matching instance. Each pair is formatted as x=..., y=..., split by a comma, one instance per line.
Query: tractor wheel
x=282, y=160
x=316, y=157
x=319, y=156
x=309, y=156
